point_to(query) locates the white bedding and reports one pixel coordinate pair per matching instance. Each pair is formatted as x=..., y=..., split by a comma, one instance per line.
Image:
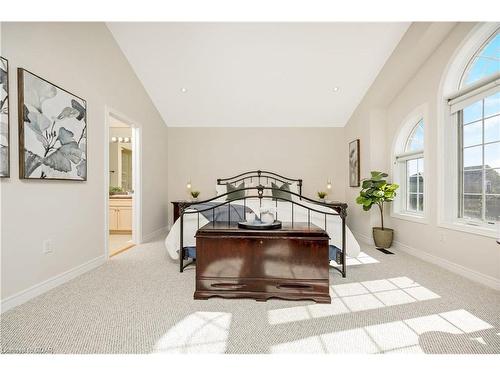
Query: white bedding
x=284, y=211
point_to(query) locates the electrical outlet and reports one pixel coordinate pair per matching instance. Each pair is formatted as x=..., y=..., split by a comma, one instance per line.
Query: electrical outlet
x=47, y=247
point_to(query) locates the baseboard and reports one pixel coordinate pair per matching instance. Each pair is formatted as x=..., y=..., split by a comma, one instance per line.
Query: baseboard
x=155, y=234
x=469, y=273
x=38, y=289
x=366, y=239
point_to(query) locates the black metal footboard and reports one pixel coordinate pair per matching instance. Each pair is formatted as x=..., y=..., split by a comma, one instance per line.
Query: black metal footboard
x=334, y=208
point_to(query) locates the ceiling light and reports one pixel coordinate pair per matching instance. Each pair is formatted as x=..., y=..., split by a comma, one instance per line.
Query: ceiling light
x=184, y=89
x=336, y=89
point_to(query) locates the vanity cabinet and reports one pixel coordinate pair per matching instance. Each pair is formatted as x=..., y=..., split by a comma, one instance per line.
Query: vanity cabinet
x=120, y=215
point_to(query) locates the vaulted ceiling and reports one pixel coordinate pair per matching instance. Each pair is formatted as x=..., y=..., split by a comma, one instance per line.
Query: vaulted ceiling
x=257, y=74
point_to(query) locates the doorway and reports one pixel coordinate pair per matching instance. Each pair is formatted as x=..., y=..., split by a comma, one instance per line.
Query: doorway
x=122, y=197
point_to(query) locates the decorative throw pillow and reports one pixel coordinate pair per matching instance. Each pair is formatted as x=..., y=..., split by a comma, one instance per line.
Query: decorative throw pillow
x=280, y=193
x=235, y=194
x=221, y=189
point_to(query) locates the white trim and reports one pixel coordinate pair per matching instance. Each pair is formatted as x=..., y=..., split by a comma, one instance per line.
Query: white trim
x=456, y=268
x=161, y=232
x=43, y=287
x=464, y=226
x=398, y=156
x=137, y=175
x=410, y=216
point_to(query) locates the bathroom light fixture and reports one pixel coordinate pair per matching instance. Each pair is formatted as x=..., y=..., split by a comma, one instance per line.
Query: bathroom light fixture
x=126, y=140
x=184, y=90
x=336, y=89
x=120, y=139
x=114, y=139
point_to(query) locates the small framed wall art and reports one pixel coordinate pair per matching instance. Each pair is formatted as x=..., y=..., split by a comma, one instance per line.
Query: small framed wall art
x=354, y=170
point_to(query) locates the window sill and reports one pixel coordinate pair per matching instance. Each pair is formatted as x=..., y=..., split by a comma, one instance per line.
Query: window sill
x=410, y=217
x=480, y=230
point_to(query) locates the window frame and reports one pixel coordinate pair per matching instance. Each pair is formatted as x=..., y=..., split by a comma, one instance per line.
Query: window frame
x=399, y=159
x=461, y=171
x=448, y=151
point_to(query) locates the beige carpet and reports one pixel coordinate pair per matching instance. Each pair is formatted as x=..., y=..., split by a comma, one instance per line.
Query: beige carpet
x=139, y=303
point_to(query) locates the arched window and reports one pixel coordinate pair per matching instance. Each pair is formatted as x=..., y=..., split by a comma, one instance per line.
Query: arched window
x=485, y=63
x=470, y=148
x=478, y=120
x=409, y=171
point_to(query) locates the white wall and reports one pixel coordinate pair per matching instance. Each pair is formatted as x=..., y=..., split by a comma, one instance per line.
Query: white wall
x=84, y=59
x=205, y=154
x=377, y=121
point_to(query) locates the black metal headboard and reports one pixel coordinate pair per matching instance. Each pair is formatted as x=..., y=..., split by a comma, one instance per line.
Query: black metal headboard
x=262, y=178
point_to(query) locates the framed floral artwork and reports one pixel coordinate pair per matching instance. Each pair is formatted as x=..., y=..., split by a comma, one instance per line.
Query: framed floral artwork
x=52, y=130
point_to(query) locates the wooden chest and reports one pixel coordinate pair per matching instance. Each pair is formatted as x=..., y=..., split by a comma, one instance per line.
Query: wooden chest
x=288, y=263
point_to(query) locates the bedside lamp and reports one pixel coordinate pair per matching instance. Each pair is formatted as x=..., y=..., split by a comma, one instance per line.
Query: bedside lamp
x=328, y=188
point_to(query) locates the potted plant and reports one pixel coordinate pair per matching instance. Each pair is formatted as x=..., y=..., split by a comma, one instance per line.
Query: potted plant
x=113, y=190
x=195, y=194
x=322, y=195
x=376, y=191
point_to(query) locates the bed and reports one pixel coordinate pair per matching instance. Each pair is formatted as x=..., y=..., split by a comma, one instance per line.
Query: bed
x=250, y=192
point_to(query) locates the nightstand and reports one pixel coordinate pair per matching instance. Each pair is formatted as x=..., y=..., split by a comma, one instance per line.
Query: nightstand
x=176, y=208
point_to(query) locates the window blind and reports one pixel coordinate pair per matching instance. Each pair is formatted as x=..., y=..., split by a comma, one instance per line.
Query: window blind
x=473, y=93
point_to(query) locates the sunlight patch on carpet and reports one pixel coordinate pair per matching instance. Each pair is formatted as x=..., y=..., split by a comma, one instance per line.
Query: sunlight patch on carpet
x=200, y=332
x=352, y=297
x=394, y=337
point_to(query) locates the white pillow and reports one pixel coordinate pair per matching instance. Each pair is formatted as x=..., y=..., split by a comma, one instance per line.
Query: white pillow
x=221, y=189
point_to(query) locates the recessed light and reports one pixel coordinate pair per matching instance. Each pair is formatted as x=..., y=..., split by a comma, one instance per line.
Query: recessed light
x=336, y=89
x=184, y=89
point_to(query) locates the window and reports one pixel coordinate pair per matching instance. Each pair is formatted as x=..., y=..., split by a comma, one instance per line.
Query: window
x=479, y=129
x=479, y=137
x=485, y=63
x=469, y=135
x=410, y=170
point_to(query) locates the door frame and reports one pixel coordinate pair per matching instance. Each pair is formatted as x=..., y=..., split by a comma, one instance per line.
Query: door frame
x=136, y=175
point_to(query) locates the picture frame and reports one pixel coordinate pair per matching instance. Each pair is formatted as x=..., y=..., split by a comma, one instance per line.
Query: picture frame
x=4, y=119
x=354, y=164
x=52, y=130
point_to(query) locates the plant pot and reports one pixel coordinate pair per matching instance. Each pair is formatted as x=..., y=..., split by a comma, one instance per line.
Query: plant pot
x=383, y=237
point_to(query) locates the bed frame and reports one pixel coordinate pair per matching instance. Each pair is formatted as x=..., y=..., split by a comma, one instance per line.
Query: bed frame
x=339, y=209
